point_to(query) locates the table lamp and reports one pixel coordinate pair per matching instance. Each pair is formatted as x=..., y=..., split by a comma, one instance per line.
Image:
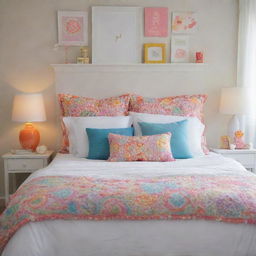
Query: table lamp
x=29, y=108
x=234, y=101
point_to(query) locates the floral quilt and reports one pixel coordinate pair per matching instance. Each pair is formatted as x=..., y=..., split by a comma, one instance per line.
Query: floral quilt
x=219, y=198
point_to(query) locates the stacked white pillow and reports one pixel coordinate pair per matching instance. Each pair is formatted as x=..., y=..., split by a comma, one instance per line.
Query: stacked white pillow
x=195, y=128
x=76, y=126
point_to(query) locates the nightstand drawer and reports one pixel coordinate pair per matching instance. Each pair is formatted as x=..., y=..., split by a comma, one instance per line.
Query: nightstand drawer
x=244, y=159
x=25, y=164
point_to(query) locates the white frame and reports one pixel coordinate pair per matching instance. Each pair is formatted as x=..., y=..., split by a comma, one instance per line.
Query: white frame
x=84, y=42
x=102, y=45
x=174, y=47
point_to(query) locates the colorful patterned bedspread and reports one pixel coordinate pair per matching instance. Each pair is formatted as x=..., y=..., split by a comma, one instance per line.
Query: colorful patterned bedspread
x=221, y=198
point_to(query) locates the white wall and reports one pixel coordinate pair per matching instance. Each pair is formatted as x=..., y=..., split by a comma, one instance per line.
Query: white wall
x=28, y=30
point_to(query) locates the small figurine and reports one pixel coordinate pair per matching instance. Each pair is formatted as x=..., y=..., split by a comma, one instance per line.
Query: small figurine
x=84, y=59
x=239, y=141
x=199, y=57
x=224, y=142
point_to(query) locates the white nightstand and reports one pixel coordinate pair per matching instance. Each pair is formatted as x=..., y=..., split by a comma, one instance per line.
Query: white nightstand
x=23, y=164
x=247, y=157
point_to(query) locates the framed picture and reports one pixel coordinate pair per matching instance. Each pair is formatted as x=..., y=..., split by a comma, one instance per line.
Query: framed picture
x=156, y=21
x=225, y=142
x=115, y=35
x=155, y=53
x=72, y=28
x=184, y=22
x=180, y=49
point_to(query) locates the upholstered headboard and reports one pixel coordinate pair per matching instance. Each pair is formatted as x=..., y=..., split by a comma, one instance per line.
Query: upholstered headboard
x=151, y=80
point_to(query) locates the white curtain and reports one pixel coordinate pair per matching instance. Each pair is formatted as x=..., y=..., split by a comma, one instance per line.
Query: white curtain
x=246, y=66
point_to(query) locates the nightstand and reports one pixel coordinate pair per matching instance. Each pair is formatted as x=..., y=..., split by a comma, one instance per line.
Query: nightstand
x=247, y=157
x=27, y=163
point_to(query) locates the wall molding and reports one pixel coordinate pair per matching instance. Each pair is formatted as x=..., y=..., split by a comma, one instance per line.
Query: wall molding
x=167, y=67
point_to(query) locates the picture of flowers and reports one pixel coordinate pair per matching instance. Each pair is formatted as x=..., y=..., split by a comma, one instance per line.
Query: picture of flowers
x=72, y=28
x=180, y=49
x=156, y=22
x=184, y=22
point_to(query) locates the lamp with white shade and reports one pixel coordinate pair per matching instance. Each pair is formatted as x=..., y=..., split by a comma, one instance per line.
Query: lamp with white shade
x=234, y=101
x=29, y=108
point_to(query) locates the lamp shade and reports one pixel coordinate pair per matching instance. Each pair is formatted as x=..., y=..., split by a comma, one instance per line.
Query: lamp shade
x=28, y=108
x=235, y=100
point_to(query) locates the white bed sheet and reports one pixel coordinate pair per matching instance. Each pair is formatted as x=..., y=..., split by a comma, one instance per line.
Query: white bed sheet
x=135, y=238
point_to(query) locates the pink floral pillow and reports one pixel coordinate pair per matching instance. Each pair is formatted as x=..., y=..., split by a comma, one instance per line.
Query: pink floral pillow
x=184, y=105
x=72, y=105
x=140, y=148
x=76, y=106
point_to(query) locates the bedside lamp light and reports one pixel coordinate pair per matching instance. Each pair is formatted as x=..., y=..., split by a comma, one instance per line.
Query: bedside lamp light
x=29, y=108
x=234, y=101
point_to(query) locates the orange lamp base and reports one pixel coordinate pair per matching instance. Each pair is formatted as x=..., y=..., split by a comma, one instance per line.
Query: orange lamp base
x=29, y=137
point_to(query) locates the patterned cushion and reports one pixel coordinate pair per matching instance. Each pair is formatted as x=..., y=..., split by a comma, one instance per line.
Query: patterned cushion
x=72, y=105
x=140, y=148
x=76, y=106
x=184, y=105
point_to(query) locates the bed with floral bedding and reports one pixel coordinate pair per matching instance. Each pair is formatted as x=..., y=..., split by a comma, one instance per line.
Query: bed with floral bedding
x=201, y=206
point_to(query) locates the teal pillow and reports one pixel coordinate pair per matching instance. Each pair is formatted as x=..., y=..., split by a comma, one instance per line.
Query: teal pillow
x=179, y=140
x=98, y=141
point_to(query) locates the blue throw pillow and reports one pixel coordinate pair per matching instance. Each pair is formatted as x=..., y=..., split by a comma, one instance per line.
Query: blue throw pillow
x=179, y=140
x=98, y=141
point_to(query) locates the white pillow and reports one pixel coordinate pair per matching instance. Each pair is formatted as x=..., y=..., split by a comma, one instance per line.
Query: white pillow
x=195, y=127
x=76, y=126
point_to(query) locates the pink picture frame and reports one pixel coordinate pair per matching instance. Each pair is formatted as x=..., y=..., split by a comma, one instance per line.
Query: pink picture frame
x=72, y=28
x=156, y=22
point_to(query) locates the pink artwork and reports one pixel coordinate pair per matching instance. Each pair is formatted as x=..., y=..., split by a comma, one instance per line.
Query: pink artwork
x=184, y=22
x=72, y=28
x=180, y=48
x=156, y=22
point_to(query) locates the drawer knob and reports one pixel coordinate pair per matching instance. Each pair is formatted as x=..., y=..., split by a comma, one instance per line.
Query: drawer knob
x=24, y=165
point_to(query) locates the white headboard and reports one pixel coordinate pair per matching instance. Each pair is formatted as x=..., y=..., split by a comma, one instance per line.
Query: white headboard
x=151, y=80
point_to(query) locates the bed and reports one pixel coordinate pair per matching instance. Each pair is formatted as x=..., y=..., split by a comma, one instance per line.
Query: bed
x=193, y=237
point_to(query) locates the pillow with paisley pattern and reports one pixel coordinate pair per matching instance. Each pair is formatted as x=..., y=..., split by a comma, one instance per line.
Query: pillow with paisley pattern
x=140, y=148
x=183, y=105
x=78, y=106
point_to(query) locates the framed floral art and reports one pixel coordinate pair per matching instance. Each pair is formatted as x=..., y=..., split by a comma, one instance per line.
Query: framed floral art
x=155, y=53
x=180, y=49
x=72, y=28
x=184, y=22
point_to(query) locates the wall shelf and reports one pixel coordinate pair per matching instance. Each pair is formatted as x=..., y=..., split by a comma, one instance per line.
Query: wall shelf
x=140, y=67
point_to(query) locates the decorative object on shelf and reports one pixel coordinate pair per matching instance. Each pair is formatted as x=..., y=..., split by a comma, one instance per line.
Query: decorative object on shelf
x=239, y=140
x=155, y=53
x=184, y=22
x=156, y=22
x=115, y=35
x=72, y=28
x=232, y=146
x=29, y=108
x=84, y=59
x=199, y=57
x=224, y=142
x=41, y=149
x=66, y=48
x=234, y=101
x=180, y=49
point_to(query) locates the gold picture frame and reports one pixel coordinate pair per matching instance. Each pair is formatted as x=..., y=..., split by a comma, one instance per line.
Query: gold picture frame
x=154, y=53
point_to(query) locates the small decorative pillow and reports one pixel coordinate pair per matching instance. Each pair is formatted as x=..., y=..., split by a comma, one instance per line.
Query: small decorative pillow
x=140, y=148
x=77, y=106
x=179, y=142
x=98, y=141
x=184, y=105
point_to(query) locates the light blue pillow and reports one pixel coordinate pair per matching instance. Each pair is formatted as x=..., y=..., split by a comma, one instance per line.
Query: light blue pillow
x=98, y=141
x=179, y=140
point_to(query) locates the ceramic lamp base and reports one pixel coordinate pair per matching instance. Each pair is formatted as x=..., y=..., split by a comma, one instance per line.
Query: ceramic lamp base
x=29, y=137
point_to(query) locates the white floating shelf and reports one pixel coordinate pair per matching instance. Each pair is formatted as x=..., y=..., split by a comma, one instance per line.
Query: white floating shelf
x=140, y=67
